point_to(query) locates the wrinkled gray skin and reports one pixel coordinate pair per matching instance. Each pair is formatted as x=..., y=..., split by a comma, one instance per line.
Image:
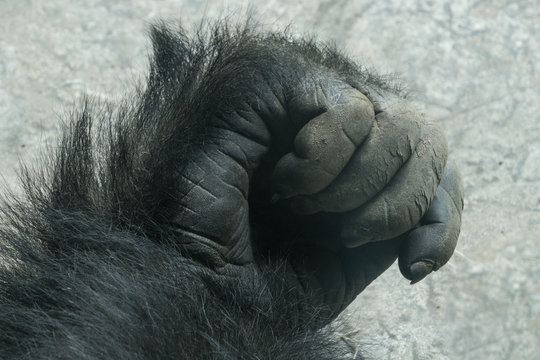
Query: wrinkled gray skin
x=365, y=182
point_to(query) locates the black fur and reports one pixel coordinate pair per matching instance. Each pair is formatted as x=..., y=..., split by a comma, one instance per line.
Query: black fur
x=90, y=267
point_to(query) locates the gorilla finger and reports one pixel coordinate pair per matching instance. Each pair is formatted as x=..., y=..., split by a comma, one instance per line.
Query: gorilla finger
x=399, y=206
x=336, y=278
x=365, y=263
x=430, y=245
x=391, y=142
x=324, y=146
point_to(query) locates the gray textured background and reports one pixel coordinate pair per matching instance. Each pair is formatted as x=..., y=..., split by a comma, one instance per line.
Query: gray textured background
x=473, y=66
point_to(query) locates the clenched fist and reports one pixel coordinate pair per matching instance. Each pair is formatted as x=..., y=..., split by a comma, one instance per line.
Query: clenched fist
x=323, y=167
x=241, y=199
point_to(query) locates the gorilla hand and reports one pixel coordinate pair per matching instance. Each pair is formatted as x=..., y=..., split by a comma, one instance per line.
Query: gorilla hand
x=358, y=177
x=366, y=206
x=241, y=200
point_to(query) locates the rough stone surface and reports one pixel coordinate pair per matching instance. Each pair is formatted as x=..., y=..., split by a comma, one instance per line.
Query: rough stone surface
x=472, y=65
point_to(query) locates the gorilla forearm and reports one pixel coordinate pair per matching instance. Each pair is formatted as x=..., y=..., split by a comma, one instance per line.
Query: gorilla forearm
x=240, y=202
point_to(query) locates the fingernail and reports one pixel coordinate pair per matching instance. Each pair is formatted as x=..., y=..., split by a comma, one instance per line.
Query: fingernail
x=420, y=270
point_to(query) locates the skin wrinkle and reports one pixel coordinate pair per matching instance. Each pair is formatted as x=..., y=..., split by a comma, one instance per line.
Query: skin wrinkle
x=207, y=155
x=242, y=247
x=245, y=119
x=386, y=217
x=232, y=127
x=202, y=238
x=196, y=185
x=186, y=207
x=266, y=114
x=234, y=185
x=245, y=160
